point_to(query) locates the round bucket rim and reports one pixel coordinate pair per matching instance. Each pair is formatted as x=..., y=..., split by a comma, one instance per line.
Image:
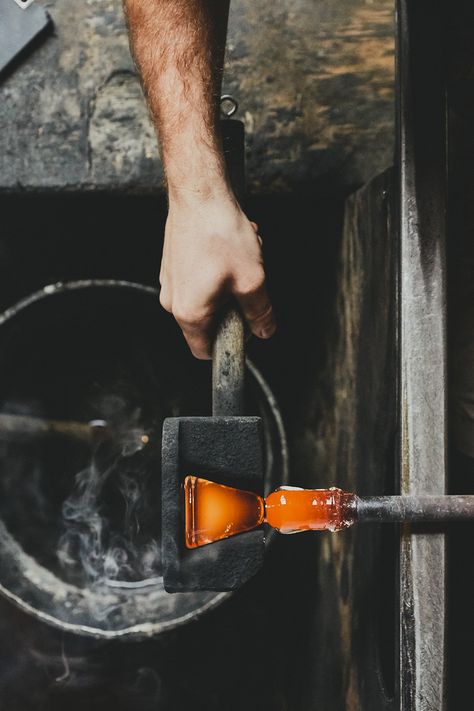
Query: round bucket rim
x=142, y=629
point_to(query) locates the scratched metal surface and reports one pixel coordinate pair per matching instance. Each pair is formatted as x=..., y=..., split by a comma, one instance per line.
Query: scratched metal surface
x=314, y=82
x=381, y=625
x=422, y=347
x=460, y=260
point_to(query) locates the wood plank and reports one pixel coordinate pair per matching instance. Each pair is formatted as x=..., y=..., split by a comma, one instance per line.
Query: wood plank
x=314, y=82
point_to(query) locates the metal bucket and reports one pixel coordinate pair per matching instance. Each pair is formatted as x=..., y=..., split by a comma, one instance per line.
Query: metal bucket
x=90, y=369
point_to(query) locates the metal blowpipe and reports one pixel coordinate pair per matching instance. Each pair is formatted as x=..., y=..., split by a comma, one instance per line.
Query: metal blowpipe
x=415, y=508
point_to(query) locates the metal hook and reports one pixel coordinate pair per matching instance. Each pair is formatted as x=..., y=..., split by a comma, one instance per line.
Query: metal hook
x=227, y=99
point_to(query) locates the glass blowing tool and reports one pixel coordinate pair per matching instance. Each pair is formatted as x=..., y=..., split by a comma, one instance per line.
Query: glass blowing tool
x=230, y=446
x=227, y=445
x=214, y=512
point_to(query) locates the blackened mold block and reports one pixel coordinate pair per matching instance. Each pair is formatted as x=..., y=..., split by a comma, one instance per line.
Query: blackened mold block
x=227, y=450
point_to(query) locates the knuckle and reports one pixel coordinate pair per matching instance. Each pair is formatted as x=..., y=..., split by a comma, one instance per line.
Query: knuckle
x=263, y=318
x=199, y=347
x=266, y=314
x=252, y=284
x=186, y=315
x=189, y=309
x=165, y=301
x=200, y=354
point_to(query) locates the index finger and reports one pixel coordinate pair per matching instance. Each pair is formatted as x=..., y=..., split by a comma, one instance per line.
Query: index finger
x=198, y=335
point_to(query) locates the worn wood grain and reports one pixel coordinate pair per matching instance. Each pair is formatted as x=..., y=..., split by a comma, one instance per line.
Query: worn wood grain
x=355, y=665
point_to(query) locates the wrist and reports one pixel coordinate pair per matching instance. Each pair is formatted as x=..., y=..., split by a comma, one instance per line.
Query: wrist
x=200, y=178
x=195, y=167
x=189, y=193
x=213, y=211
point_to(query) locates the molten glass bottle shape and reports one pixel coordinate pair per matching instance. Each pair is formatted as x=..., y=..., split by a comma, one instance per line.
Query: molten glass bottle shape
x=214, y=511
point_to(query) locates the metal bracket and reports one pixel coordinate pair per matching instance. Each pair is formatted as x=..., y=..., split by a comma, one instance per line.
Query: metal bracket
x=24, y=4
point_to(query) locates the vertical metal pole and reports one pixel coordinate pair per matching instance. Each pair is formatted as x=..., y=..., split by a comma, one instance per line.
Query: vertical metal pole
x=228, y=359
x=228, y=366
x=422, y=166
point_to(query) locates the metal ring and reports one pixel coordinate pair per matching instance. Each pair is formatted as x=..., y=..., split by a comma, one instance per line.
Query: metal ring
x=41, y=593
x=24, y=4
x=227, y=98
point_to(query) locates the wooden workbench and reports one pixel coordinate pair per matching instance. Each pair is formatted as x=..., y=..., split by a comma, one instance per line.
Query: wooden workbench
x=314, y=82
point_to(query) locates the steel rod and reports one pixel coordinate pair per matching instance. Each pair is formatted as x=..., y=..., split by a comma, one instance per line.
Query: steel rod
x=21, y=428
x=26, y=426
x=228, y=366
x=228, y=354
x=419, y=509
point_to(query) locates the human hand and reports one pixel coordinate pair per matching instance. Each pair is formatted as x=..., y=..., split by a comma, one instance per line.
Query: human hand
x=212, y=253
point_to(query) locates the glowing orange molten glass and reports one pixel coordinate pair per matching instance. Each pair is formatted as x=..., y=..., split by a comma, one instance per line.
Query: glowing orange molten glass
x=214, y=511
x=290, y=509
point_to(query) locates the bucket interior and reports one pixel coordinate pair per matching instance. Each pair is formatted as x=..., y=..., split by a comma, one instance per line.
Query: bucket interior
x=90, y=371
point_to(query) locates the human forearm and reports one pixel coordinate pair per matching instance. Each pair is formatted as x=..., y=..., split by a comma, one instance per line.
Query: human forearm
x=179, y=48
x=212, y=252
